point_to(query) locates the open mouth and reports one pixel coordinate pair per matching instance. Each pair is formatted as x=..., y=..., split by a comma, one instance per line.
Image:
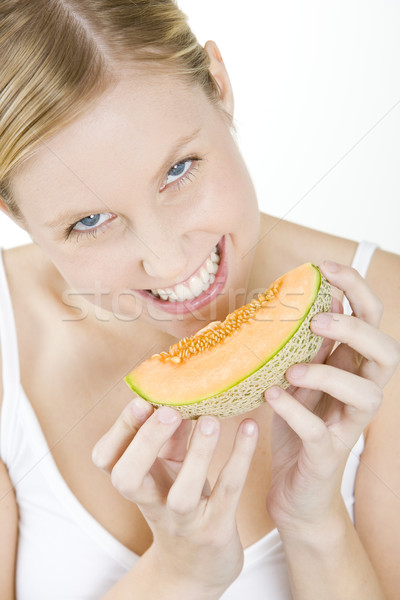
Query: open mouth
x=195, y=285
x=199, y=289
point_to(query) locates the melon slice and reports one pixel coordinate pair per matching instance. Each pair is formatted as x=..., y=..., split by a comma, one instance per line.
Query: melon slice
x=225, y=368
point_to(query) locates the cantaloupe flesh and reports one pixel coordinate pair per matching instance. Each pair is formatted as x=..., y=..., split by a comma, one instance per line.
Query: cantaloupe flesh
x=237, y=357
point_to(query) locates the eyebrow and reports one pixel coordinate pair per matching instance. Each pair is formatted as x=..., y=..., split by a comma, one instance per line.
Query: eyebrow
x=68, y=217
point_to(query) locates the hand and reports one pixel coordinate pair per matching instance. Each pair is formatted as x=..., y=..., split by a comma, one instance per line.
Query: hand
x=310, y=451
x=151, y=464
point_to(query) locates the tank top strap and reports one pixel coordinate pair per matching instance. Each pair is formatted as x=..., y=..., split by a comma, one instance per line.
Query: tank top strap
x=10, y=365
x=362, y=256
x=361, y=261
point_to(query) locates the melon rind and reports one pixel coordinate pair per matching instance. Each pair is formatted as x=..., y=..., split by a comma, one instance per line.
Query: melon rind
x=249, y=393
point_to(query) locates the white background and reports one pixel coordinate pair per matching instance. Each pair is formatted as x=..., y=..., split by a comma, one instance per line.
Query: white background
x=317, y=89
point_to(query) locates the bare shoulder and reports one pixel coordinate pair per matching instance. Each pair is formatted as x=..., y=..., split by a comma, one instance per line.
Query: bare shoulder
x=384, y=278
x=27, y=270
x=27, y=273
x=9, y=534
x=285, y=245
x=7, y=257
x=377, y=492
x=8, y=514
x=34, y=286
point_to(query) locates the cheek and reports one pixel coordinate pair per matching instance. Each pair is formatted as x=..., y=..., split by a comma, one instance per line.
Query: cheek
x=233, y=199
x=103, y=270
x=104, y=285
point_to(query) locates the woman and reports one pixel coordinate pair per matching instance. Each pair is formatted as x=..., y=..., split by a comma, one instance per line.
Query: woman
x=117, y=157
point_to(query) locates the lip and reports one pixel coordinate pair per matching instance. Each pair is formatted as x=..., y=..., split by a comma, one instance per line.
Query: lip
x=205, y=297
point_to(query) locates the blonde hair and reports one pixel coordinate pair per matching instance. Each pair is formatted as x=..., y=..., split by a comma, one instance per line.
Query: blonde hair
x=58, y=56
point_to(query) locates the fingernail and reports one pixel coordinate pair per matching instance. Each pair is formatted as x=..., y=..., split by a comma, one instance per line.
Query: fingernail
x=273, y=393
x=322, y=320
x=249, y=428
x=297, y=371
x=166, y=415
x=140, y=409
x=331, y=266
x=207, y=426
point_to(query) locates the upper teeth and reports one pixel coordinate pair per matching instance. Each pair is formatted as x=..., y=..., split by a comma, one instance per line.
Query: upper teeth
x=197, y=284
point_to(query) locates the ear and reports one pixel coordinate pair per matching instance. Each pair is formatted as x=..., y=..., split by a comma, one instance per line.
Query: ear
x=220, y=74
x=6, y=210
x=3, y=207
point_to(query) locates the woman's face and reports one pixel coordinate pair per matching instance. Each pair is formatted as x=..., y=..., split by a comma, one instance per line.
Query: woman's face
x=135, y=194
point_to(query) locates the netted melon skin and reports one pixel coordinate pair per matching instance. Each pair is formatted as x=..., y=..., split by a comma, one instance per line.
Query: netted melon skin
x=249, y=393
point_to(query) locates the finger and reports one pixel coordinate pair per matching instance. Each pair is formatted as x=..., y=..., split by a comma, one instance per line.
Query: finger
x=336, y=306
x=309, y=427
x=364, y=302
x=228, y=487
x=324, y=351
x=175, y=449
x=312, y=398
x=114, y=443
x=361, y=397
x=134, y=465
x=362, y=338
x=185, y=494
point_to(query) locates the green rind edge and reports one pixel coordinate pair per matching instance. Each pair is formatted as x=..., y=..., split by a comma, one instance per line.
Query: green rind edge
x=248, y=393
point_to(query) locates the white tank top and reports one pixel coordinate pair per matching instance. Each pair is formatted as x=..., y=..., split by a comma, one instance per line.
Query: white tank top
x=63, y=552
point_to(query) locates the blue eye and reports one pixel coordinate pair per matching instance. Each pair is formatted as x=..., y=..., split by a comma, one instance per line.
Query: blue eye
x=178, y=171
x=92, y=221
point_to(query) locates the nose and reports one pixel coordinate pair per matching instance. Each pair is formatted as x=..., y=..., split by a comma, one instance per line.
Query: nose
x=159, y=246
x=162, y=269
x=165, y=263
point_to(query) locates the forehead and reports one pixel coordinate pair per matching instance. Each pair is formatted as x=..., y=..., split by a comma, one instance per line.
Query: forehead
x=134, y=121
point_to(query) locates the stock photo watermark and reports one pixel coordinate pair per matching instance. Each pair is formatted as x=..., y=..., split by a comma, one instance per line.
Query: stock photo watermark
x=124, y=305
